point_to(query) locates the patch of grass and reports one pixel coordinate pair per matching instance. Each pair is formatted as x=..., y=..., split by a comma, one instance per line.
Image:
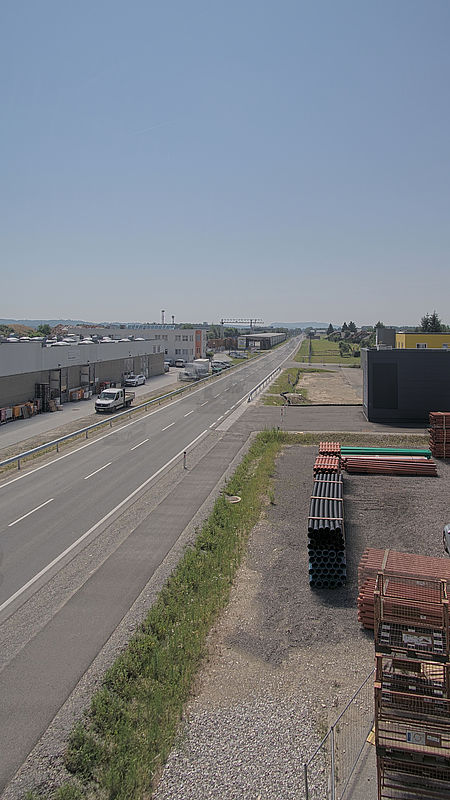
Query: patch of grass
x=288, y=382
x=326, y=352
x=133, y=718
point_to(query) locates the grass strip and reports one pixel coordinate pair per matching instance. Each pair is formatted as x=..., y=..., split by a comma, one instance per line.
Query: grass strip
x=288, y=382
x=323, y=351
x=131, y=726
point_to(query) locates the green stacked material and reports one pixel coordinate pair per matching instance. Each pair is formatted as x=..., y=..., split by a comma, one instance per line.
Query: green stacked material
x=391, y=451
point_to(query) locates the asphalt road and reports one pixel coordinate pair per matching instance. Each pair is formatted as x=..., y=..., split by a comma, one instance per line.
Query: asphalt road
x=49, y=514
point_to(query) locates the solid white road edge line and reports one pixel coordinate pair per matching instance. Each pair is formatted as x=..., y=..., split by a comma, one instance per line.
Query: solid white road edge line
x=98, y=470
x=138, y=445
x=30, y=512
x=94, y=527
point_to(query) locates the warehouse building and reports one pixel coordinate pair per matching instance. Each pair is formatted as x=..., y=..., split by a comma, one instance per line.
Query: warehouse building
x=261, y=341
x=174, y=342
x=33, y=373
x=422, y=341
x=404, y=385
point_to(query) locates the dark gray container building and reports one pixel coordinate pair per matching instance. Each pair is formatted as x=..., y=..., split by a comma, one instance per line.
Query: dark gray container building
x=405, y=385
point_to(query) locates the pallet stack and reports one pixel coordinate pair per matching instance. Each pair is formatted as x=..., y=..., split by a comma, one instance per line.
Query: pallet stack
x=440, y=434
x=326, y=541
x=396, y=563
x=412, y=688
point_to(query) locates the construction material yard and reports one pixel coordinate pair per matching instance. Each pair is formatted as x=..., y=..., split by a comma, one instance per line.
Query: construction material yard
x=284, y=659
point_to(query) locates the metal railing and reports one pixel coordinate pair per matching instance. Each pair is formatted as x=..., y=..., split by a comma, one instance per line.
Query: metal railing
x=262, y=383
x=328, y=771
x=85, y=431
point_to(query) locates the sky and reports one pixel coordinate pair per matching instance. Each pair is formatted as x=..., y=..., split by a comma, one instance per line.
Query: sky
x=279, y=159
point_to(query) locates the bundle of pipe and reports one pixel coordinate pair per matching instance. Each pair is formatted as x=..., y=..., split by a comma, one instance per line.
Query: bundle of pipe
x=379, y=465
x=326, y=542
x=440, y=434
x=327, y=464
x=385, y=451
x=393, y=562
x=330, y=449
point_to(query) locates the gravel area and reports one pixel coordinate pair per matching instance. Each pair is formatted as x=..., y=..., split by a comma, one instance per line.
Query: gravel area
x=284, y=660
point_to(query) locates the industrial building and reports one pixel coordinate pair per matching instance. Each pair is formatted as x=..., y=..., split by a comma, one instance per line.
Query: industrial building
x=33, y=373
x=405, y=384
x=174, y=342
x=422, y=341
x=261, y=341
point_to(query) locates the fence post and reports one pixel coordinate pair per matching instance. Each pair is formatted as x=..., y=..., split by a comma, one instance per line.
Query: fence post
x=333, y=785
x=305, y=767
x=57, y=447
x=18, y=463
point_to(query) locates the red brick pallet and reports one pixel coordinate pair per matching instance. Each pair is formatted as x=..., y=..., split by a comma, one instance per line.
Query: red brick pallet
x=440, y=434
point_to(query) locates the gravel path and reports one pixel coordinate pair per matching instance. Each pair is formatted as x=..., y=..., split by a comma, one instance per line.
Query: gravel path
x=283, y=660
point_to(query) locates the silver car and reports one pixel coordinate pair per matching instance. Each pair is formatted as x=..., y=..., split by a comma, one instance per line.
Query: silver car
x=135, y=380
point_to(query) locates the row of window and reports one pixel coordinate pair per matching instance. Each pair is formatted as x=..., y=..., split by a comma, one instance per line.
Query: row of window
x=184, y=352
x=423, y=346
x=184, y=338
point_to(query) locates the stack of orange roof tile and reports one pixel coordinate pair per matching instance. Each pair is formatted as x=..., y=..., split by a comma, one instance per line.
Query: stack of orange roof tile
x=327, y=464
x=389, y=562
x=330, y=448
x=440, y=434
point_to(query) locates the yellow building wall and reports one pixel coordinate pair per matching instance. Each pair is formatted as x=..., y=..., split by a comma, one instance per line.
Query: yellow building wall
x=436, y=341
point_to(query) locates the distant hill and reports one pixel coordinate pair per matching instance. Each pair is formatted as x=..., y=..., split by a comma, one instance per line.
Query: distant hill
x=291, y=325
x=33, y=323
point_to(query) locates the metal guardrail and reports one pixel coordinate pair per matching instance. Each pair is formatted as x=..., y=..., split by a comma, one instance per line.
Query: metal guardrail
x=156, y=400
x=260, y=385
x=56, y=442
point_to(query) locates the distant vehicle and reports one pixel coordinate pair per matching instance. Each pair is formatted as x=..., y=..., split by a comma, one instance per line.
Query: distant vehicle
x=135, y=380
x=179, y=362
x=113, y=399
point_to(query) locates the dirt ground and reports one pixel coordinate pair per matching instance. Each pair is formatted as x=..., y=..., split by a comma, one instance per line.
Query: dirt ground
x=332, y=387
x=277, y=639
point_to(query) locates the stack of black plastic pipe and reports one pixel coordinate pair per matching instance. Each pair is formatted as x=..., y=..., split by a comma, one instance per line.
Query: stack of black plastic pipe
x=326, y=541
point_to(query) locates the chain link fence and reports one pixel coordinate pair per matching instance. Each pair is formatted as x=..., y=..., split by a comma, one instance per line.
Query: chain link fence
x=330, y=768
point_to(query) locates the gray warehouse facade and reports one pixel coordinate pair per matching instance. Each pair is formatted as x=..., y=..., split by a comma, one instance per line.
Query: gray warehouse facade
x=66, y=369
x=405, y=385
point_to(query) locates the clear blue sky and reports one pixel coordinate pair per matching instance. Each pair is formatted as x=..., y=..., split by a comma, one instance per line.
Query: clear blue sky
x=281, y=159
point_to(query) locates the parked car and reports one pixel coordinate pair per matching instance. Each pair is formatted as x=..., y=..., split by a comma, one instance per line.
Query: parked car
x=179, y=362
x=134, y=380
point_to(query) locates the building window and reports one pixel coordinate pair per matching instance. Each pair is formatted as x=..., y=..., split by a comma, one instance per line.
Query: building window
x=177, y=352
x=421, y=346
x=178, y=338
x=191, y=338
x=445, y=346
x=185, y=352
x=185, y=338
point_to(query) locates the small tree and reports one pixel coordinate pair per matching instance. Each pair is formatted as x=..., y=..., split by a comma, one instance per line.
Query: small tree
x=431, y=323
x=352, y=327
x=330, y=329
x=344, y=327
x=44, y=330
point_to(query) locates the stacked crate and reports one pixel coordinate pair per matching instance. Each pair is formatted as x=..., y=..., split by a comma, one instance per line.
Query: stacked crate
x=326, y=542
x=412, y=688
x=440, y=434
x=391, y=561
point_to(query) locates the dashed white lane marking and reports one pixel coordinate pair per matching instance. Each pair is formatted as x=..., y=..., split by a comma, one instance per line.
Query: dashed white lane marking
x=98, y=470
x=138, y=445
x=219, y=418
x=96, y=525
x=167, y=426
x=204, y=404
x=189, y=412
x=30, y=512
x=217, y=395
